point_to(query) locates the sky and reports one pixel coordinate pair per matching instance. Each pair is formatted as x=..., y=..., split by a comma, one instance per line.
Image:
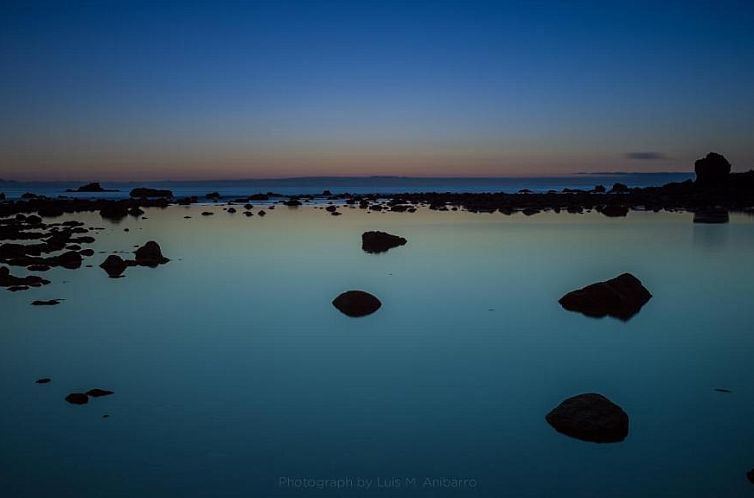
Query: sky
x=113, y=90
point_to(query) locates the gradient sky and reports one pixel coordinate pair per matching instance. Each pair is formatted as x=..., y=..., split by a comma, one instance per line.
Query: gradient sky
x=192, y=90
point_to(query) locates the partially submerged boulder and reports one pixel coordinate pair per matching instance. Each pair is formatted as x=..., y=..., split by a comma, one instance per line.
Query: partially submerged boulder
x=77, y=398
x=356, y=303
x=150, y=254
x=712, y=169
x=90, y=187
x=590, y=417
x=114, y=265
x=376, y=242
x=621, y=297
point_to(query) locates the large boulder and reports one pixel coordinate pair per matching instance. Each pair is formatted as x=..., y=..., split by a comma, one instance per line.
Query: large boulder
x=356, y=303
x=712, y=169
x=150, y=254
x=377, y=242
x=621, y=297
x=590, y=417
x=114, y=265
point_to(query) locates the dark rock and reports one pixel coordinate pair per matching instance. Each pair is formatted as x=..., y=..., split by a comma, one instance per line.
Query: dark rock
x=712, y=169
x=619, y=188
x=70, y=260
x=90, y=187
x=356, y=303
x=292, y=202
x=136, y=211
x=143, y=192
x=621, y=297
x=213, y=195
x=261, y=213
x=711, y=216
x=721, y=390
x=259, y=197
x=207, y=213
x=376, y=242
x=114, y=265
x=38, y=268
x=331, y=209
x=43, y=380
x=599, y=189
x=98, y=393
x=77, y=398
x=613, y=211
x=115, y=211
x=150, y=254
x=231, y=210
x=19, y=283
x=750, y=476
x=87, y=252
x=51, y=302
x=590, y=417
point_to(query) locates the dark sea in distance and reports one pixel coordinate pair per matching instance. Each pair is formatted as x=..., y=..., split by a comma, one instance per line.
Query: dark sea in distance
x=356, y=185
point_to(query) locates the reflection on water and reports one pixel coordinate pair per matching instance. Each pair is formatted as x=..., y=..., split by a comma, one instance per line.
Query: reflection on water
x=235, y=376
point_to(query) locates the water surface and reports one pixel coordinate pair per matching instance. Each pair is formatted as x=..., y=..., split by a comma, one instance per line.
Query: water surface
x=232, y=370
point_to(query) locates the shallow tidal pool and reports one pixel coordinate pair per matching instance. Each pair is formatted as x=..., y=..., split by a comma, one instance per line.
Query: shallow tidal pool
x=234, y=376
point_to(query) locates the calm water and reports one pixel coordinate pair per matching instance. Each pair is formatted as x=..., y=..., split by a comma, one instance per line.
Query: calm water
x=232, y=370
x=357, y=185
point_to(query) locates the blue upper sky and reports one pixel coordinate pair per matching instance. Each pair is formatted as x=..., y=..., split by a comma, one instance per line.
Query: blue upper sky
x=160, y=89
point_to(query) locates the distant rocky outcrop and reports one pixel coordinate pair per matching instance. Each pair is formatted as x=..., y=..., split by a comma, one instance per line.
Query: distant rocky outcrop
x=621, y=297
x=91, y=187
x=144, y=192
x=590, y=417
x=356, y=303
x=77, y=398
x=376, y=242
x=712, y=169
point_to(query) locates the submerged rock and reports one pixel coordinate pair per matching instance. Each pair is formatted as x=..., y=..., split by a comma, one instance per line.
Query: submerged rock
x=712, y=169
x=98, y=393
x=356, y=303
x=43, y=380
x=77, y=398
x=51, y=302
x=621, y=297
x=590, y=417
x=114, y=265
x=750, y=476
x=150, y=254
x=376, y=242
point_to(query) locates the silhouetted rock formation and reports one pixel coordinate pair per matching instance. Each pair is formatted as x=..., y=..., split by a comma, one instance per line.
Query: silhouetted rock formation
x=8, y=280
x=712, y=169
x=114, y=265
x=621, y=297
x=213, y=196
x=377, y=242
x=711, y=215
x=356, y=303
x=143, y=192
x=77, y=398
x=150, y=254
x=590, y=417
x=91, y=187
